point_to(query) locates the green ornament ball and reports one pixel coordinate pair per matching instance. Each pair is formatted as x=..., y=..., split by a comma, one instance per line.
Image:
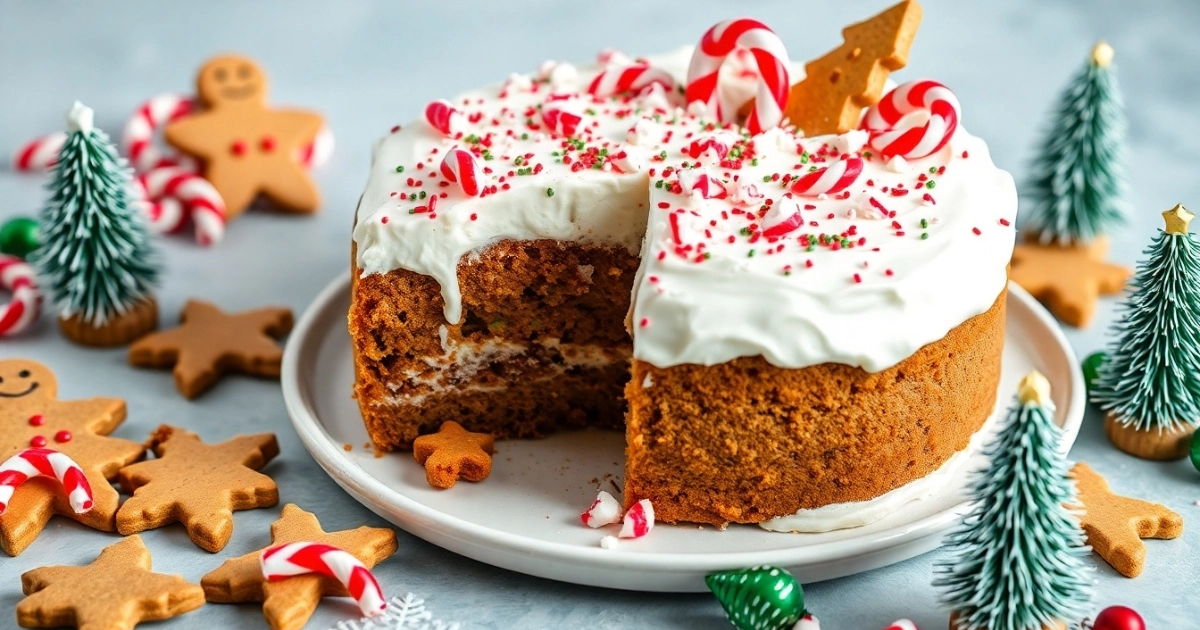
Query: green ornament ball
x=19, y=237
x=1195, y=450
x=1091, y=369
x=759, y=598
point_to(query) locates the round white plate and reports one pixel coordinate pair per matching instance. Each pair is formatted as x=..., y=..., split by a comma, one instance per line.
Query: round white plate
x=525, y=516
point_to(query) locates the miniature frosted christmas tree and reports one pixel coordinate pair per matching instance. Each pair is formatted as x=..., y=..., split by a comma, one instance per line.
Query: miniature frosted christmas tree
x=96, y=259
x=1149, y=385
x=1017, y=559
x=1078, y=193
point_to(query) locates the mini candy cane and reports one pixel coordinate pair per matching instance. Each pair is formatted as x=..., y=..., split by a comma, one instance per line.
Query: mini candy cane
x=718, y=146
x=605, y=510
x=138, y=136
x=634, y=78
x=783, y=218
x=319, y=151
x=638, y=521
x=39, y=154
x=442, y=116
x=902, y=624
x=770, y=56
x=912, y=140
x=561, y=121
x=462, y=167
x=17, y=277
x=45, y=462
x=300, y=558
x=172, y=186
x=707, y=186
x=829, y=179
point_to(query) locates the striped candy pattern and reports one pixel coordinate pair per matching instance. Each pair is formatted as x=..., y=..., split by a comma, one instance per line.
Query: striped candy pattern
x=17, y=314
x=632, y=78
x=461, y=167
x=443, y=116
x=174, y=194
x=829, y=179
x=769, y=55
x=45, y=462
x=138, y=136
x=639, y=520
x=39, y=154
x=561, y=121
x=902, y=624
x=301, y=558
x=894, y=133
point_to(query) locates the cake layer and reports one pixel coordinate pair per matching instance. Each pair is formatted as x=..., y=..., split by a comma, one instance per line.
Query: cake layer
x=542, y=343
x=746, y=441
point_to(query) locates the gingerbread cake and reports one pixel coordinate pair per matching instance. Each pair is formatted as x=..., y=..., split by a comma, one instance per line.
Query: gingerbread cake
x=781, y=323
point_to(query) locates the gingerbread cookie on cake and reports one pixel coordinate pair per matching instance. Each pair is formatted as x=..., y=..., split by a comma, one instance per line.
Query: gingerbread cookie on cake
x=780, y=322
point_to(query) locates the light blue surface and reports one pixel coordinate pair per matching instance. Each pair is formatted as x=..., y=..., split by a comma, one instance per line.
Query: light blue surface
x=368, y=66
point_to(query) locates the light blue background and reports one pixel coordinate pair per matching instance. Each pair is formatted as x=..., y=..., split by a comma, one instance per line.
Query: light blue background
x=370, y=65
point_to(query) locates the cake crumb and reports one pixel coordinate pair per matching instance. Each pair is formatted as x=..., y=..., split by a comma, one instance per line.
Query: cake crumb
x=347, y=447
x=366, y=445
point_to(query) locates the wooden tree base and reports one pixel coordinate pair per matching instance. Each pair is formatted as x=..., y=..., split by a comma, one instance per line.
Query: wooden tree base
x=123, y=329
x=1057, y=625
x=1152, y=444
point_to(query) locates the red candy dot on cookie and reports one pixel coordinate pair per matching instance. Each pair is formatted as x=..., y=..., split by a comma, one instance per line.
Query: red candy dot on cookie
x=37, y=420
x=267, y=144
x=238, y=148
x=37, y=441
x=62, y=436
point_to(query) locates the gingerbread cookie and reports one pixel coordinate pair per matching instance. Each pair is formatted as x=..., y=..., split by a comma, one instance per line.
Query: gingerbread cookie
x=197, y=484
x=1115, y=524
x=247, y=149
x=1067, y=279
x=288, y=603
x=31, y=416
x=115, y=592
x=453, y=453
x=210, y=343
x=837, y=87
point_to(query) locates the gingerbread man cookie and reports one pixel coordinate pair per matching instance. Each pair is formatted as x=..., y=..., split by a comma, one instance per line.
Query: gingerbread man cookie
x=287, y=604
x=115, y=592
x=453, y=453
x=247, y=149
x=1115, y=525
x=31, y=416
x=197, y=484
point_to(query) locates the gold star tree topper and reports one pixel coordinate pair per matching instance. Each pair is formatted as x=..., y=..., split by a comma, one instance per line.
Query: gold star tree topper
x=1177, y=219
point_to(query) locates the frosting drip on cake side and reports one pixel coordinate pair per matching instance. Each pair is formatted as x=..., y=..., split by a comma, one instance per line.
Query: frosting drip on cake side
x=907, y=264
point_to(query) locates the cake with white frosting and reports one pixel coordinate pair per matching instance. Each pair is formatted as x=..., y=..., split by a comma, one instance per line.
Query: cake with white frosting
x=620, y=259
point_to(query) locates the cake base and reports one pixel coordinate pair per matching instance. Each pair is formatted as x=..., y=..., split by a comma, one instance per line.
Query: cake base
x=746, y=441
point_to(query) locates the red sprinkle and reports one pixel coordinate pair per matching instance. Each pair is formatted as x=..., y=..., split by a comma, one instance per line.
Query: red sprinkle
x=1004, y=222
x=37, y=441
x=645, y=322
x=63, y=436
x=976, y=231
x=383, y=220
x=857, y=278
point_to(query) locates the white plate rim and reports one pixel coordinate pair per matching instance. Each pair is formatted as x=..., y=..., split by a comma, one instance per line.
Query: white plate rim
x=336, y=462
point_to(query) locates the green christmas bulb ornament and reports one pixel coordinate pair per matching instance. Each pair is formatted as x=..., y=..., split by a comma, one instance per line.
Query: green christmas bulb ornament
x=1091, y=369
x=19, y=237
x=1194, y=452
x=759, y=598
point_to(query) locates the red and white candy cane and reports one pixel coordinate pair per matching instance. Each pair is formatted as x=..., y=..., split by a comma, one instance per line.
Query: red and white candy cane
x=39, y=154
x=782, y=219
x=175, y=194
x=138, y=137
x=45, y=462
x=444, y=117
x=633, y=78
x=703, y=184
x=829, y=179
x=638, y=521
x=893, y=132
x=300, y=558
x=605, y=510
x=770, y=56
x=18, y=313
x=561, y=121
x=461, y=167
x=902, y=624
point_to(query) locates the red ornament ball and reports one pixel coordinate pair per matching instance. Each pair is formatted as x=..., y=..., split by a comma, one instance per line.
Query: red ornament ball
x=1119, y=618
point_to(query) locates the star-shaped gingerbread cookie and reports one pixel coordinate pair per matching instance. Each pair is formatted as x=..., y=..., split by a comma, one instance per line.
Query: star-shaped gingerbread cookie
x=197, y=484
x=1067, y=279
x=115, y=592
x=247, y=149
x=210, y=343
x=454, y=452
x=288, y=603
x=32, y=416
x=1115, y=525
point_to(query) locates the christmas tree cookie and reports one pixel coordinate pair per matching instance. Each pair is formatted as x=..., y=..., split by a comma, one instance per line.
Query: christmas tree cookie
x=1149, y=385
x=1078, y=193
x=1018, y=556
x=95, y=259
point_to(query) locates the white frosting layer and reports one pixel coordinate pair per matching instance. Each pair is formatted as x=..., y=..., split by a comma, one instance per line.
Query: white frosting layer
x=713, y=289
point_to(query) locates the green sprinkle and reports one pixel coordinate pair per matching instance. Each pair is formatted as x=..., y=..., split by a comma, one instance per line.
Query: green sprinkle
x=421, y=195
x=754, y=162
x=744, y=231
x=524, y=136
x=549, y=192
x=866, y=154
x=924, y=223
x=930, y=184
x=932, y=170
x=924, y=235
x=804, y=159
x=707, y=255
x=519, y=161
x=750, y=254
x=810, y=247
x=400, y=169
x=663, y=155
x=766, y=178
x=658, y=184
